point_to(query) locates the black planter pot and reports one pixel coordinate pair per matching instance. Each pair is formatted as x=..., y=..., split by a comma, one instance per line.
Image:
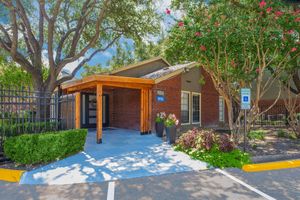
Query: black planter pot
x=171, y=134
x=159, y=128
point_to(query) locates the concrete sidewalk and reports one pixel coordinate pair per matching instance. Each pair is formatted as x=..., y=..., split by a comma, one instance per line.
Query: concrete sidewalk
x=124, y=154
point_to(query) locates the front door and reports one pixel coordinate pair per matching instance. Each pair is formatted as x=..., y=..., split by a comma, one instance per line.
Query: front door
x=89, y=107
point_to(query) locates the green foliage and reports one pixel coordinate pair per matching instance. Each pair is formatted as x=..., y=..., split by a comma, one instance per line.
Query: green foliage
x=96, y=69
x=44, y=147
x=13, y=76
x=216, y=150
x=257, y=135
x=217, y=158
x=286, y=134
x=14, y=128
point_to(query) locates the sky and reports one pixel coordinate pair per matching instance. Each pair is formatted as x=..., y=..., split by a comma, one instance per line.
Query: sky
x=103, y=57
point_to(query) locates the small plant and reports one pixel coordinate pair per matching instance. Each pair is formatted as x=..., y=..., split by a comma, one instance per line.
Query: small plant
x=171, y=120
x=160, y=117
x=281, y=134
x=257, y=135
x=286, y=134
x=215, y=149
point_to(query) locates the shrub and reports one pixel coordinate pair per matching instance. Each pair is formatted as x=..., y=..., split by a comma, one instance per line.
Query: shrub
x=217, y=150
x=257, y=135
x=44, y=147
x=286, y=134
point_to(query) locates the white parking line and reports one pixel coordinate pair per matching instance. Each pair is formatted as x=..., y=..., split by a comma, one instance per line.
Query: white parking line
x=246, y=185
x=111, y=191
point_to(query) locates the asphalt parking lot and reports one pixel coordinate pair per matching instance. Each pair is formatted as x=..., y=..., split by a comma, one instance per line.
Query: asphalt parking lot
x=207, y=184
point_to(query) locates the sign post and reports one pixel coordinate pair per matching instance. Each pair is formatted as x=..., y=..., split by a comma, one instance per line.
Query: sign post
x=245, y=105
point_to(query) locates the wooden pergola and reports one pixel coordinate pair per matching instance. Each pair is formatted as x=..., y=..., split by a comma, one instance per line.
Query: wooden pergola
x=97, y=82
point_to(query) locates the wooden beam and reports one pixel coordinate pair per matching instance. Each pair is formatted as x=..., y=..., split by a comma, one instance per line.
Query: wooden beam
x=99, y=113
x=142, y=120
x=147, y=111
x=150, y=111
x=77, y=109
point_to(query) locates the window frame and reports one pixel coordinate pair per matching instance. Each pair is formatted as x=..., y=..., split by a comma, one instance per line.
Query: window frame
x=192, y=107
x=189, y=110
x=223, y=113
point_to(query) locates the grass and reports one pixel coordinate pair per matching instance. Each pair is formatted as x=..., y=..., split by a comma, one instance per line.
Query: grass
x=286, y=134
x=257, y=135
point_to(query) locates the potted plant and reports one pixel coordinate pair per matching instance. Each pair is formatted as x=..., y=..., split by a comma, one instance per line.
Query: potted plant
x=171, y=122
x=159, y=123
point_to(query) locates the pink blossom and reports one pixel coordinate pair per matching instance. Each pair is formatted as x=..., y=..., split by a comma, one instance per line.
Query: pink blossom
x=180, y=24
x=291, y=31
x=257, y=70
x=269, y=9
x=202, y=48
x=168, y=11
x=293, y=49
x=278, y=13
x=198, y=34
x=262, y=4
x=297, y=19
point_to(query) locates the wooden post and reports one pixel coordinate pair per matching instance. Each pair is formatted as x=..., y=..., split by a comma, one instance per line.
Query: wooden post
x=142, y=112
x=99, y=113
x=150, y=111
x=77, y=109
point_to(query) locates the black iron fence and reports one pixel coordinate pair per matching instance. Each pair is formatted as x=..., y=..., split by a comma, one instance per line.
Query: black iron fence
x=23, y=110
x=277, y=116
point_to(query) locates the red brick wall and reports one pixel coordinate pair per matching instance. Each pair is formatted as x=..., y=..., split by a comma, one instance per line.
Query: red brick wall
x=210, y=102
x=172, y=90
x=126, y=109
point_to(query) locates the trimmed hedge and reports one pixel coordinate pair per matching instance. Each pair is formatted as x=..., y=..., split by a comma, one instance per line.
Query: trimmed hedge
x=44, y=147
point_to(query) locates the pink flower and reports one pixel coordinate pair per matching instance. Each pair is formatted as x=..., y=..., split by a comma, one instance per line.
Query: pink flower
x=168, y=11
x=198, y=34
x=180, y=24
x=297, y=19
x=293, y=49
x=202, y=48
x=257, y=70
x=291, y=31
x=269, y=10
x=278, y=13
x=262, y=4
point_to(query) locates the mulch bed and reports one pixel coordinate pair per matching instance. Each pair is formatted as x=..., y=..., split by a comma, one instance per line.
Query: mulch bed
x=272, y=145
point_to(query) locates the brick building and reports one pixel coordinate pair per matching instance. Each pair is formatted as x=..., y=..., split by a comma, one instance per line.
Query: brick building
x=133, y=95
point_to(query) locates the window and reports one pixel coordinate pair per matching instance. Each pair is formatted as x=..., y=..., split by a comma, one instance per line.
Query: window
x=196, y=107
x=221, y=109
x=185, y=107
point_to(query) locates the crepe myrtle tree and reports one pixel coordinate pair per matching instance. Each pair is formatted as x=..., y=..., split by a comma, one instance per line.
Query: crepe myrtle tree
x=238, y=43
x=68, y=31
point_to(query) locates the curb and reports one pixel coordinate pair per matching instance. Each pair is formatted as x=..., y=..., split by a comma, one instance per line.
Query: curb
x=271, y=166
x=10, y=175
x=275, y=158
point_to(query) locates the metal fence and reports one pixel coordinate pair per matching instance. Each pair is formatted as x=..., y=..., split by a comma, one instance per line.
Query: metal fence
x=23, y=110
x=277, y=116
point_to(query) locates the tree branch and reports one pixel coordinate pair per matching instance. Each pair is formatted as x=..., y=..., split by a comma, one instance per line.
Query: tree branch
x=92, y=41
x=84, y=61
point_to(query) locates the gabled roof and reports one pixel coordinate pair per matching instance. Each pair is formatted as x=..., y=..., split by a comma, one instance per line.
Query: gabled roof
x=169, y=72
x=139, y=64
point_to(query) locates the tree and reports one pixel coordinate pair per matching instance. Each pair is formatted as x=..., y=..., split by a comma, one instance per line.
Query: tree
x=97, y=69
x=238, y=43
x=69, y=31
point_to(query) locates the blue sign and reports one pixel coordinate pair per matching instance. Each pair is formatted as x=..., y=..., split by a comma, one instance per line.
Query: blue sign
x=160, y=98
x=245, y=98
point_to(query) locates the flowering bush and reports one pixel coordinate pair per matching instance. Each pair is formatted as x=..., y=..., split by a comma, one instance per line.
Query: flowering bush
x=171, y=120
x=218, y=150
x=160, y=117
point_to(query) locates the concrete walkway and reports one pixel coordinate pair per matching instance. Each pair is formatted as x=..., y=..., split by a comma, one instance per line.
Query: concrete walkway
x=123, y=154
